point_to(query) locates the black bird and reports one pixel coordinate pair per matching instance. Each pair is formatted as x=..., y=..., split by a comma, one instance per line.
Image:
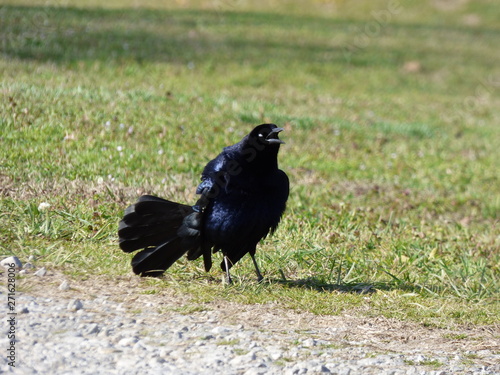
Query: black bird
x=243, y=195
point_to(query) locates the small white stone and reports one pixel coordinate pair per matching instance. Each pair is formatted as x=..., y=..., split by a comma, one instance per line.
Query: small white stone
x=309, y=342
x=92, y=329
x=275, y=355
x=8, y=262
x=64, y=286
x=75, y=305
x=242, y=359
x=128, y=341
x=41, y=272
x=104, y=333
x=220, y=330
x=44, y=206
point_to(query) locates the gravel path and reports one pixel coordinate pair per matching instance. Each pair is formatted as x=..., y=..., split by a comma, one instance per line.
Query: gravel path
x=64, y=329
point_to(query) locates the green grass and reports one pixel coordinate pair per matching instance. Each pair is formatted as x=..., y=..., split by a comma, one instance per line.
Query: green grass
x=426, y=362
x=392, y=138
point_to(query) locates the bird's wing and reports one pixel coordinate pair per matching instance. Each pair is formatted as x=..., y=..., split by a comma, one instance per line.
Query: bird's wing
x=216, y=174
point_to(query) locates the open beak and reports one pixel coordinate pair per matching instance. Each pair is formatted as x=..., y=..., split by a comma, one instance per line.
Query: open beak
x=272, y=137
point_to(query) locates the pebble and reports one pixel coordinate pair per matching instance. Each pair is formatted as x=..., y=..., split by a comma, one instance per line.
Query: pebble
x=64, y=286
x=128, y=341
x=220, y=330
x=75, y=305
x=93, y=328
x=104, y=338
x=8, y=261
x=41, y=272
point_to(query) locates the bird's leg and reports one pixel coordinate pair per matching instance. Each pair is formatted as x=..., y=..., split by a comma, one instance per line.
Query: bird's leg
x=259, y=275
x=228, y=275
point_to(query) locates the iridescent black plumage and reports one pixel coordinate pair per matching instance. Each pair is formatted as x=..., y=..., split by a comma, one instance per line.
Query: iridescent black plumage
x=243, y=195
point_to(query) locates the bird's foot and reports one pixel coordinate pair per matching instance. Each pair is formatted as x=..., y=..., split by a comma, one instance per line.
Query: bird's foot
x=227, y=280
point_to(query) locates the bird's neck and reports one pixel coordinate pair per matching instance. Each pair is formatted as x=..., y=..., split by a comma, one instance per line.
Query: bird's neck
x=263, y=159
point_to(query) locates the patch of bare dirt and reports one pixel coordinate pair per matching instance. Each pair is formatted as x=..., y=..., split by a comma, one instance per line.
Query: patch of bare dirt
x=379, y=334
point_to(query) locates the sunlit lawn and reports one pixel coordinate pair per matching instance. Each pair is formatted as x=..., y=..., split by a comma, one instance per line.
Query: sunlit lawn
x=392, y=143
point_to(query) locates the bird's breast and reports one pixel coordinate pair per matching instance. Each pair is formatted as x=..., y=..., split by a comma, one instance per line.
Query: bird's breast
x=239, y=218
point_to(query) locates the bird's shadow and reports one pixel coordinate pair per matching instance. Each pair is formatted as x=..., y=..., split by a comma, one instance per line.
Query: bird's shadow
x=316, y=284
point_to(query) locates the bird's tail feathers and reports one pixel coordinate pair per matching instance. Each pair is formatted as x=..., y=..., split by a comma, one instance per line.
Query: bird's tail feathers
x=165, y=230
x=150, y=221
x=154, y=261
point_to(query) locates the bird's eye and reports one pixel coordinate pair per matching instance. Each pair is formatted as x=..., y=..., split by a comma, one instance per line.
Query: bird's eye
x=261, y=135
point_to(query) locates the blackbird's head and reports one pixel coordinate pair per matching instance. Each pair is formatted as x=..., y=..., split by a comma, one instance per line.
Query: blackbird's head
x=267, y=134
